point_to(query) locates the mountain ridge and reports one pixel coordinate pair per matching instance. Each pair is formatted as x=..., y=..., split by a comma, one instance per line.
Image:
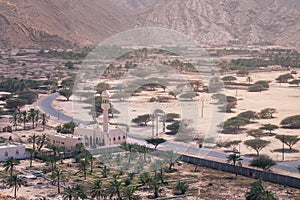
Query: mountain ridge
x=71, y=23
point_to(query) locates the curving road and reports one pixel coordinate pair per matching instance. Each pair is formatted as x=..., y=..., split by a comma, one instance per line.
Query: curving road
x=46, y=106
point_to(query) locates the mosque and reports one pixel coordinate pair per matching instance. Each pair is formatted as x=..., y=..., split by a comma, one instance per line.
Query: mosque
x=94, y=136
x=97, y=135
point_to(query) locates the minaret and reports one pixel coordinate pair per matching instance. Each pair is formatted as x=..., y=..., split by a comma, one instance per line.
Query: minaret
x=105, y=105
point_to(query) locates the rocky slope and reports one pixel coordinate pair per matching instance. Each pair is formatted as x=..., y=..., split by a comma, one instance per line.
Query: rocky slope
x=220, y=21
x=65, y=23
x=60, y=23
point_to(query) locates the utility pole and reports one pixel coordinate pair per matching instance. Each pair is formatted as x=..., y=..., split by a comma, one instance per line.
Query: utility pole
x=202, y=108
x=282, y=147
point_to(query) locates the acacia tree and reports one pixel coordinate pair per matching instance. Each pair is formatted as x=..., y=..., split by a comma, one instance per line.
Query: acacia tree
x=229, y=79
x=142, y=119
x=295, y=82
x=67, y=93
x=269, y=127
x=284, y=78
x=188, y=95
x=234, y=124
x=155, y=141
x=291, y=122
x=248, y=115
x=233, y=144
x=289, y=140
x=256, y=133
x=257, y=144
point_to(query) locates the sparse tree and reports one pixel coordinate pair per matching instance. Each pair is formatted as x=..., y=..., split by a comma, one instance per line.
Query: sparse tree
x=155, y=141
x=289, y=140
x=142, y=119
x=256, y=133
x=234, y=124
x=249, y=115
x=189, y=95
x=67, y=93
x=284, y=78
x=291, y=122
x=295, y=82
x=269, y=127
x=257, y=144
x=229, y=79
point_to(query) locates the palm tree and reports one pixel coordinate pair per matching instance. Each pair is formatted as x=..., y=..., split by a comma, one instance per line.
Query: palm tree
x=31, y=152
x=44, y=119
x=83, y=166
x=181, y=188
x=55, y=153
x=105, y=170
x=24, y=118
x=97, y=190
x=234, y=159
x=9, y=164
x=68, y=193
x=63, y=150
x=79, y=192
x=14, y=182
x=57, y=178
x=129, y=193
x=37, y=117
x=41, y=141
x=14, y=120
x=114, y=187
x=155, y=185
x=33, y=139
x=32, y=116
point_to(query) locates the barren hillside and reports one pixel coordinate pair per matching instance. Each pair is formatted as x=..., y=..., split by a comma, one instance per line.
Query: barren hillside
x=57, y=23
x=220, y=21
x=65, y=23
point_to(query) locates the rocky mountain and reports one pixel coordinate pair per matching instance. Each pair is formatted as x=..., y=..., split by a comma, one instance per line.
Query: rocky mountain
x=60, y=23
x=65, y=23
x=221, y=21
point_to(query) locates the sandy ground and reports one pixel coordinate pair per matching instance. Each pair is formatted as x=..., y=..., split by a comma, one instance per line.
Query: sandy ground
x=282, y=97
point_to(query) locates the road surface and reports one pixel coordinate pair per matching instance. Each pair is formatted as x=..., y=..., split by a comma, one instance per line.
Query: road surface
x=46, y=106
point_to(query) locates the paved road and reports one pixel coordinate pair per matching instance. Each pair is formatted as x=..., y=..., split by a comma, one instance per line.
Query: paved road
x=45, y=105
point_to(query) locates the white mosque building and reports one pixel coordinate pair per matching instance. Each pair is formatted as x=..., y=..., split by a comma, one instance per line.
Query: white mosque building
x=94, y=136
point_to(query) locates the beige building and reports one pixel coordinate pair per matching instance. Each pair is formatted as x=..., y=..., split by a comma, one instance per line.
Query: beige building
x=95, y=135
x=15, y=150
x=69, y=141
